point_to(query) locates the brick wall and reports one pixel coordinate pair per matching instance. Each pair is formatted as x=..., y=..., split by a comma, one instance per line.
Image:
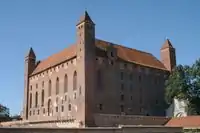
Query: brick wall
x=105, y=120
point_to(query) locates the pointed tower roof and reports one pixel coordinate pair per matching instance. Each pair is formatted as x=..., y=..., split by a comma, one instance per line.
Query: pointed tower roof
x=167, y=44
x=31, y=53
x=85, y=18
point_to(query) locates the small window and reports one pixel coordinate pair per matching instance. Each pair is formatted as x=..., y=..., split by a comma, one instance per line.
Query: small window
x=100, y=107
x=38, y=112
x=65, y=97
x=125, y=65
x=139, y=78
x=131, y=98
x=36, y=86
x=43, y=110
x=111, y=54
x=122, y=75
x=56, y=108
x=74, y=95
x=30, y=113
x=62, y=108
x=42, y=84
x=122, y=97
x=156, y=101
x=69, y=107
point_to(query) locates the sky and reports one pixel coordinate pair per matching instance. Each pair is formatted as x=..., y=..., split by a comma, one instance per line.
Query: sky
x=49, y=26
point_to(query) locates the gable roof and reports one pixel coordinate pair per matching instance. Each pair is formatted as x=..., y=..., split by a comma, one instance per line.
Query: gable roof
x=187, y=122
x=124, y=53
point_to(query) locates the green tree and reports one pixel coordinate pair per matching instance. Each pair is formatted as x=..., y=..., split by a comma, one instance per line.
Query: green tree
x=184, y=83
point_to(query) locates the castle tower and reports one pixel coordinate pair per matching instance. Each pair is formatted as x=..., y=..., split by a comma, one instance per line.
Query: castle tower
x=168, y=55
x=30, y=60
x=85, y=30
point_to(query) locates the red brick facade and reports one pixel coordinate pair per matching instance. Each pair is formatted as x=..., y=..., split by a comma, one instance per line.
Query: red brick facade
x=95, y=76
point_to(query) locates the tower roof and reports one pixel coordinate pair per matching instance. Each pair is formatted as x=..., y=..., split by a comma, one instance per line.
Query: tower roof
x=31, y=53
x=85, y=18
x=167, y=44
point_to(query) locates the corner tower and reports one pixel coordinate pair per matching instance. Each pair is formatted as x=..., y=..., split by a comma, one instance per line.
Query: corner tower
x=85, y=30
x=168, y=55
x=29, y=66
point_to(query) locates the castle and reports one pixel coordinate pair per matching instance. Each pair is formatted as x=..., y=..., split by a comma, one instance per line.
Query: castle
x=94, y=76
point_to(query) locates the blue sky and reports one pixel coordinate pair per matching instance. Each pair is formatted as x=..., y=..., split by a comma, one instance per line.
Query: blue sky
x=49, y=26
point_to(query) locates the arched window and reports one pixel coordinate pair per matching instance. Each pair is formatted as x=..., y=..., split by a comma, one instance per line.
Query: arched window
x=57, y=86
x=49, y=108
x=75, y=81
x=36, y=99
x=50, y=86
x=42, y=98
x=30, y=102
x=65, y=83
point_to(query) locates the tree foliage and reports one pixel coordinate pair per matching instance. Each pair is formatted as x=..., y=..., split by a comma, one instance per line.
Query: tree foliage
x=184, y=83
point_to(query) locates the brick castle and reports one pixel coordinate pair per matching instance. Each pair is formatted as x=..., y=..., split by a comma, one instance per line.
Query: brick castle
x=94, y=76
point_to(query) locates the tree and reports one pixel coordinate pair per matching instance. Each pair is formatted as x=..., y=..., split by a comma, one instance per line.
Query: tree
x=184, y=83
x=4, y=110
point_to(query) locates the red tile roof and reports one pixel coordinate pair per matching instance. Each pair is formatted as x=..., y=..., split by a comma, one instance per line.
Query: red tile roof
x=187, y=122
x=124, y=53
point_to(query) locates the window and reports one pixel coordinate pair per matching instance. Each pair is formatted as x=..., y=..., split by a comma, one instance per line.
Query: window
x=125, y=65
x=65, y=97
x=31, y=87
x=139, y=78
x=42, y=98
x=65, y=83
x=131, y=98
x=156, y=101
x=74, y=95
x=69, y=107
x=56, y=108
x=36, y=99
x=30, y=100
x=36, y=86
x=122, y=75
x=111, y=53
x=80, y=90
x=122, y=108
x=100, y=107
x=122, y=97
x=38, y=111
x=50, y=86
x=43, y=110
x=57, y=86
x=49, y=111
x=62, y=108
x=75, y=81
